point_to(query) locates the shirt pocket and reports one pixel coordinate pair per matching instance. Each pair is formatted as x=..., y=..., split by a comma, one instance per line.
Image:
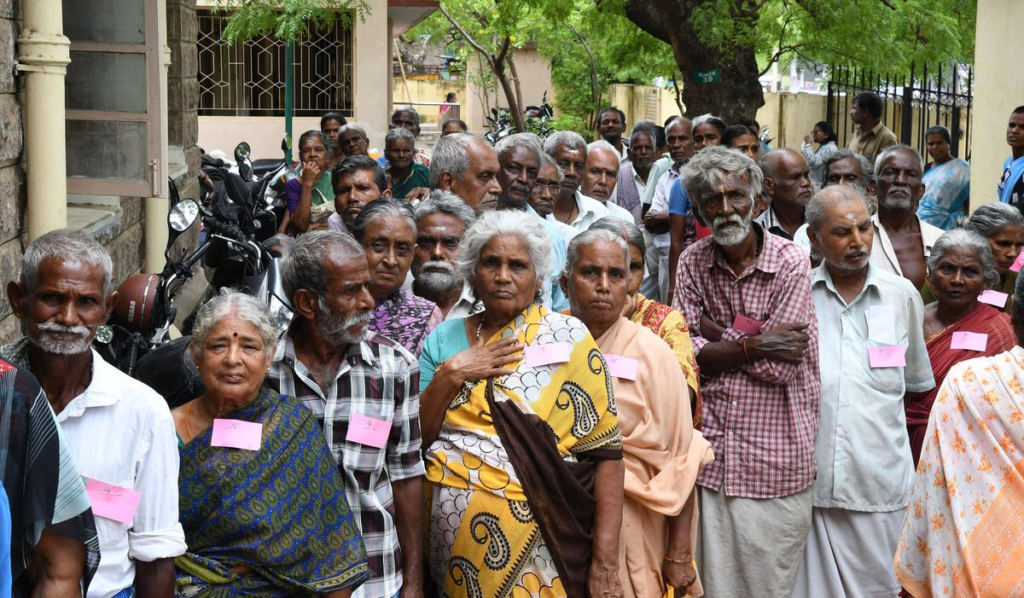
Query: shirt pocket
x=364, y=461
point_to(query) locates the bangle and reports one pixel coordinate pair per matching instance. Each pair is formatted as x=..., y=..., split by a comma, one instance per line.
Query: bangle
x=672, y=560
x=743, y=343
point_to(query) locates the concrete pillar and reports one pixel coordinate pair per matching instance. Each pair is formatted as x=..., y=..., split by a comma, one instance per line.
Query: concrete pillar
x=371, y=65
x=156, y=207
x=44, y=56
x=998, y=89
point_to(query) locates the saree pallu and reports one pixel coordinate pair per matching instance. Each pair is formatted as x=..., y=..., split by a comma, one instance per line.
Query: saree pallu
x=281, y=511
x=511, y=473
x=947, y=188
x=983, y=319
x=672, y=327
x=963, y=534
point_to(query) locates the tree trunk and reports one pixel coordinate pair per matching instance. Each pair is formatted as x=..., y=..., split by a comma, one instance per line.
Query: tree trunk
x=736, y=95
x=595, y=85
x=498, y=66
x=520, y=105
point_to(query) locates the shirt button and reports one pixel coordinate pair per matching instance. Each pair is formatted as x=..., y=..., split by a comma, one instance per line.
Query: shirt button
x=734, y=402
x=846, y=312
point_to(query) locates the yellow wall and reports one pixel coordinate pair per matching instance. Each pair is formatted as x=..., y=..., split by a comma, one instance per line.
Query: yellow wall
x=998, y=89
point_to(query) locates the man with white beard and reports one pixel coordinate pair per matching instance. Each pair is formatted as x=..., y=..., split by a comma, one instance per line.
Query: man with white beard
x=442, y=220
x=903, y=241
x=746, y=295
x=347, y=375
x=64, y=295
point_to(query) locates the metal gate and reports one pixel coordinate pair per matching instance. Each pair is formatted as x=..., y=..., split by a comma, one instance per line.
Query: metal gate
x=940, y=96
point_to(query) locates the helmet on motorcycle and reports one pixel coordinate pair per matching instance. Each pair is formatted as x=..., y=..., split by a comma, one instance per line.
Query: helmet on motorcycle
x=136, y=300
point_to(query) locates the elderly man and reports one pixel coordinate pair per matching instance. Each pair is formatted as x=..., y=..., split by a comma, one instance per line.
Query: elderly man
x=53, y=531
x=634, y=173
x=746, y=295
x=902, y=240
x=407, y=118
x=843, y=168
x=357, y=180
x=65, y=293
x=364, y=389
x=353, y=140
x=611, y=124
x=519, y=160
x=442, y=220
x=787, y=184
x=572, y=207
x=466, y=166
x=600, y=173
x=870, y=136
x=679, y=134
x=862, y=449
x=545, y=192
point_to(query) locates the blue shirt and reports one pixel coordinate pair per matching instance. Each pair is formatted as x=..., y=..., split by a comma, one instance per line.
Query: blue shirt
x=678, y=199
x=5, y=545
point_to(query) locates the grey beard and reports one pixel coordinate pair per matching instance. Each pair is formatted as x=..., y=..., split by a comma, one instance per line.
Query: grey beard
x=57, y=339
x=728, y=238
x=437, y=283
x=337, y=330
x=897, y=203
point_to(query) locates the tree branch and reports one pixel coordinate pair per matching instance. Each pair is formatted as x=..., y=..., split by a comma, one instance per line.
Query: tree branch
x=595, y=86
x=466, y=36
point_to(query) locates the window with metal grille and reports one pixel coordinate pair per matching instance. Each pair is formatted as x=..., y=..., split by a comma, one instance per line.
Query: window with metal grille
x=247, y=78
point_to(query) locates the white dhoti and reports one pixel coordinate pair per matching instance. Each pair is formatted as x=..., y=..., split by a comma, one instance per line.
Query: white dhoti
x=850, y=554
x=750, y=546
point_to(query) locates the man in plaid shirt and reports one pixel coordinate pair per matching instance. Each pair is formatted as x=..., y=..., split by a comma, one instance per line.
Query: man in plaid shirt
x=747, y=296
x=365, y=390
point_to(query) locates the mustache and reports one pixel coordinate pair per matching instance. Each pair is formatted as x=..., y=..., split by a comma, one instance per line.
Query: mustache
x=55, y=328
x=723, y=220
x=439, y=265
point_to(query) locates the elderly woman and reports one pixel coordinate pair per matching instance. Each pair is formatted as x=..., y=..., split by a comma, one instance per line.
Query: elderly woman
x=310, y=196
x=386, y=228
x=262, y=502
x=404, y=174
x=960, y=267
x=947, y=182
x=661, y=452
x=1002, y=225
x=661, y=319
x=962, y=532
x=525, y=459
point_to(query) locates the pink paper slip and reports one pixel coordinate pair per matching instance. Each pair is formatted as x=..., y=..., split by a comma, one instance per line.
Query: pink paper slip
x=993, y=298
x=621, y=367
x=894, y=356
x=112, y=502
x=235, y=433
x=368, y=431
x=538, y=355
x=748, y=326
x=972, y=341
x=1018, y=263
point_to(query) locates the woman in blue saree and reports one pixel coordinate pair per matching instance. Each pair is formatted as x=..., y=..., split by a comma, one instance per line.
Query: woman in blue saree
x=1011, y=184
x=947, y=182
x=261, y=499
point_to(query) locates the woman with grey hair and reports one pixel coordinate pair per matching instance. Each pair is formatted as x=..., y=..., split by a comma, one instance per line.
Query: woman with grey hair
x=311, y=195
x=517, y=410
x=960, y=268
x=1003, y=227
x=662, y=454
x=404, y=174
x=386, y=228
x=243, y=447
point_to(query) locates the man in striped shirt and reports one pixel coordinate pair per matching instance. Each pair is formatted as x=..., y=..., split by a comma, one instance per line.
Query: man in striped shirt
x=364, y=388
x=747, y=297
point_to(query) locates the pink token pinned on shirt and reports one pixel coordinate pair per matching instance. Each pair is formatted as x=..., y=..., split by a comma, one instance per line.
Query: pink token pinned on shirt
x=1018, y=263
x=368, y=431
x=622, y=367
x=748, y=326
x=112, y=502
x=971, y=341
x=894, y=356
x=994, y=298
x=235, y=433
x=539, y=355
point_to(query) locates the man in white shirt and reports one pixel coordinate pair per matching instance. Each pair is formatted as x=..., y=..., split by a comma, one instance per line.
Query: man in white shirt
x=600, y=173
x=862, y=450
x=572, y=207
x=119, y=431
x=679, y=134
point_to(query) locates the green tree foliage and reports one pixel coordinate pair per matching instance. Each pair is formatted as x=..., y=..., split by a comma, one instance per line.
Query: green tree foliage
x=286, y=20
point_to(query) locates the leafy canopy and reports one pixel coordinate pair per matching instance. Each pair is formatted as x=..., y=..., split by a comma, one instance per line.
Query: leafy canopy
x=286, y=20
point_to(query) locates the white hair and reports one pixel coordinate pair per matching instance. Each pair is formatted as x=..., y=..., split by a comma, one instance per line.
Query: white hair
x=588, y=237
x=525, y=140
x=233, y=303
x=567, y=138
x=71, y=245
x=500, y=223
x=451, y=154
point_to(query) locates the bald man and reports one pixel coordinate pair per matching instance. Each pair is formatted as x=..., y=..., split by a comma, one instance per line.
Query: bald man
x=788, y=186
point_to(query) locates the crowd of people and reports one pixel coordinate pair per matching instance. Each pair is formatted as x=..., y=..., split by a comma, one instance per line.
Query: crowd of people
x=671, y=360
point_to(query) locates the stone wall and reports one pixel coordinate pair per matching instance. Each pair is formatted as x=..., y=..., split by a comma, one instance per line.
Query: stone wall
x=12, y=192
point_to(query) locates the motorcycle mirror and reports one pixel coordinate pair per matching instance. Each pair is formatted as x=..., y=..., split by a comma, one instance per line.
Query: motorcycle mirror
x=286, y=143
x=242, y=151
x=180, y=218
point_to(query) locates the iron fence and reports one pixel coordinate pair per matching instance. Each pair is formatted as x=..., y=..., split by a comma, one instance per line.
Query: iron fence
x=247, y=79
x=912, y=103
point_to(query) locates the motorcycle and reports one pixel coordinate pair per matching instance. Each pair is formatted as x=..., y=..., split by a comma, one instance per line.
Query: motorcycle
x=537, y=120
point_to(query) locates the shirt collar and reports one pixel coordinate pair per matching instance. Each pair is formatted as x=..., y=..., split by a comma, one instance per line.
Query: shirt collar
x=821, y=276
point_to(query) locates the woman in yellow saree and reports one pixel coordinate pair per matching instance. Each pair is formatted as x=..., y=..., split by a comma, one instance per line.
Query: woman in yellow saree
x=524, y=465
